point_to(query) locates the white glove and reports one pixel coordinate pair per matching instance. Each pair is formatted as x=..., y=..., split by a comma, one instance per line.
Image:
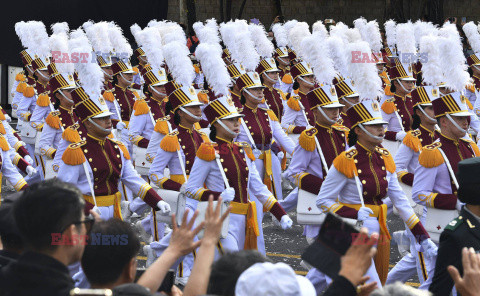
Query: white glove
x=286, y=222
x=400, y=135
x=280, y=155
x=8, y=118
x=28, y=159
x=364, y=213
x=228, y=194
x=31, y=171
x=164, y=208
x=459, y=206
x=429, y=248
x=121, y=125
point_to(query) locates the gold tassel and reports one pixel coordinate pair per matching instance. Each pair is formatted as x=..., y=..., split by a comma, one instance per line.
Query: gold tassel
x=135, y=69
x=412, y=142
x=43, y=100
x=430, y=157
x=202, y=97
x=111, y=136
x=293, y=104
x=307, y=139
x=248, y=150
x=205, y=138
x=124, y=149
x=197, y=126
x=287, y=78
x=29, y=92
x=141, y=107
x=471, y=87
x=20, y=77
x=71, y=135
x=21, y=87
x=475, y=148
x=170, y=142
x=272, y=115
x=135, y=93
x=389, y=107
x=197, y=68
x=73, y=155
x=2, y=129
x=345, y=163
x=469, y=104
x=161, y=127
x=389, y=162
x=206, y=151
x=2, y=115
x=108, y=96
x=382, y=259
x=53, y=120
x=4, y=144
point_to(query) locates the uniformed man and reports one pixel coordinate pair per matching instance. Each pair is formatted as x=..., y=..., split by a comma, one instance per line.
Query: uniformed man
x=462, y=232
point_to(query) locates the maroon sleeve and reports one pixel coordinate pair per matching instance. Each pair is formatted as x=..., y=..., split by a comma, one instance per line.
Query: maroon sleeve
x=206, y=194
x=299, y=129
x=419, y=232
x=152, y=198
x=445, y=201
x=23, y=151
x=311, y=183
x=407, y=179
x=143, y=143
x=277, y=211
x=114, y=123
x=389, y=135
x=136, y=86
x=22, y=165
x=171, y=185
x=347, y=212
x=17, y=136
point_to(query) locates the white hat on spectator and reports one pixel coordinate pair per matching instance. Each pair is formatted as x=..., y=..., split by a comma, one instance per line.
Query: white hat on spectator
x=273, y=279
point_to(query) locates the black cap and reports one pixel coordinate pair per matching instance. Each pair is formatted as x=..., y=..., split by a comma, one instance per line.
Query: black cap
x=468, y=181
x=7, y=221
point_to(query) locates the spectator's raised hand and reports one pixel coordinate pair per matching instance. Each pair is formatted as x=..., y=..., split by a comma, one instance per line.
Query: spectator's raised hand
x=182, y=237
x=366, y=289
x=357, y=260
x=469, y=284
x=214, y=220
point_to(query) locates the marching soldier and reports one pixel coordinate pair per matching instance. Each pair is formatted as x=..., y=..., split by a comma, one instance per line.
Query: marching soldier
x=274, y=97
x=463, y=232
x=350, y=191
x=236, y=70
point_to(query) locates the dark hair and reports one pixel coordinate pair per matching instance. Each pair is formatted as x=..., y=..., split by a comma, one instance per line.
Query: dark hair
x=111, y=246
x=168, y=107
x=9, y=234
x=176, y=117
x=146, y=91
x=419, y=79
x=470, y=71
x=115, y=79
x=352, y=137
x=213, y=133
x=393, y=88
x=46, y=208
x=296, y=85
x=243, y=100
x=416, y=119
x=226, y=271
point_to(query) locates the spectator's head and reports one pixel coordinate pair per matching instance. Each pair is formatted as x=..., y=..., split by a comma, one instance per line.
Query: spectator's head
x=468, y=170
x=51, y=220
x=227, y=269
x=399, y=289
x=9, y=234
x=109, y=258
x=268, y=279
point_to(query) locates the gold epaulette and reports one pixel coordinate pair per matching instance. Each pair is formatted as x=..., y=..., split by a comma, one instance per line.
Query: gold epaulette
x=43, y=100
x=204, y=136
x=430, y=156
x=307, y=139
x=287, y=78
x=122, y=147
x=135, y=93
x=161, y=126
x=108, y=95
x=412, y=140
x=340, y=127
x=471, y=87
x=21, y=87
x=4, y=143
x=345, y=163
x=293, y=104
x=29, y=91
x=387, y=158
x=53, y=119
x=271, y=114
x=20, y=77
x=203, y=96
x=170, y=142
x=247, y=148
x=140, y=107
x=73, y=155
x=206, y=151
x=70, y=134
x=473, y=145
x=2, y=129
x=282, y=94
x=389, y=106
x=135, y=69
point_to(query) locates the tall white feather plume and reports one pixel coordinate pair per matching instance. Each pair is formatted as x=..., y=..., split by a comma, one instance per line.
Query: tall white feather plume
x=471, y=31
x=317, y=55
x=21, y=29
x=227, y=30
x=247, y=55
x=391, y=32
x=123, y=50
x=423, y=29
x=353, y=35
x=39, y=38
x=59, y=48
x=336, y=48
x=296, y=35
x=171, y=31
x=365, y=75
x=263, y=46
x=213, y=67
x=361, y=25
x=319, y=28
x=152, y=45
x=60, y=28
x=374, y=38
x=90, y=74
x=406, y=38
x=135, y=30
x=340, y=31
x=207, y=33
x=152, y=23
x=432, y=72
x=176, y=56
x=280, y=35
x=289, y=26
x=452, y=59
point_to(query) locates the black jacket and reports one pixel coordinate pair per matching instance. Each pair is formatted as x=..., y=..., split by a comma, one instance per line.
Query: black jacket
x=35, y=274
x=462, y=232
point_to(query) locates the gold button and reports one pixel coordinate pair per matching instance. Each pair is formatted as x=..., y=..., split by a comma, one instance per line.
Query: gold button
x=383, y=168
x=120, y=165
x=116, y=146
x=80, y=133
x=118, y=155
x=187, y=162
x=246, y=168
x=455, y=193
x=90, y=160
x=85, y=150
x=187, y=171
x=225, y=169
x=179, y=140
x=364, y=193
x=359, y=171
x=421, y=140
x=246, y=121
x=364, y=182
x=241, y=150
x=401, y=115
x=251, y=134
x=221, y=160
x=96, y=187
x=385, y=178
x=94, y=169
x=243, y=159
x=249, y=127
x=96, y=179
x=246, y=179
x=343, y=144
x=355, y=161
